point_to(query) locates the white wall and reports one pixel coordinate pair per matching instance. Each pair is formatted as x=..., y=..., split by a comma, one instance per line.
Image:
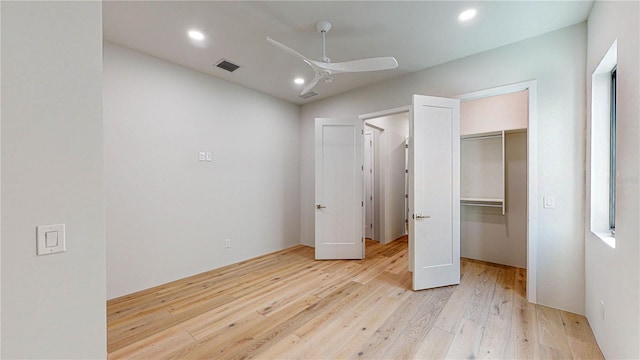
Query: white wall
x=613, y=275
x=557, y=61
x=392, y=171
x=167, y=213
x=52, y=172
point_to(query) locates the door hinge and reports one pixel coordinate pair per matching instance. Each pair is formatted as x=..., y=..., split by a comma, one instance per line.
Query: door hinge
x=362, y=203
x=406, y=171
x=370, y=142
x=371, y=198
x=362, y=167
x=362, y=131
x=406, y=146
x=370, y=171
x=406, y=196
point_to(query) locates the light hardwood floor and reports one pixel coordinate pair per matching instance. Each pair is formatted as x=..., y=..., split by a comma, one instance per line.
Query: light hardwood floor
x=287, y=306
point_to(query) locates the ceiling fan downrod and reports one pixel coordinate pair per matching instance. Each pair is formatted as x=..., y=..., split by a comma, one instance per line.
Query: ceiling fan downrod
x=323, y=27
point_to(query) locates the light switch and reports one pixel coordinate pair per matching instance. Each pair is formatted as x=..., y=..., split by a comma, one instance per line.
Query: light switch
x=209, y=157
x=549, y=202
x=50, y=239
x=201, y=156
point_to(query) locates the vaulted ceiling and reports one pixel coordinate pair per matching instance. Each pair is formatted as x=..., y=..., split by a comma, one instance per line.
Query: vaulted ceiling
x=418, y=34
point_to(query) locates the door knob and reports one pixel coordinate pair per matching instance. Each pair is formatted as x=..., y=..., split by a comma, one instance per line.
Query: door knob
x=320, y=207
x=422, y=216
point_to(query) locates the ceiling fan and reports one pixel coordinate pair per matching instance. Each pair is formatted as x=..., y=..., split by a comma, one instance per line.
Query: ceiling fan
x=324, y=69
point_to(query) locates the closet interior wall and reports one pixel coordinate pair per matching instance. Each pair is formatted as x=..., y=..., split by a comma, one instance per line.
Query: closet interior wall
x=486, y=233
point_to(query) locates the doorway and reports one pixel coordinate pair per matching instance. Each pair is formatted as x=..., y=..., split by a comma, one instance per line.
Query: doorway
x=369, y=186
x=389, y=167
x=530, y=169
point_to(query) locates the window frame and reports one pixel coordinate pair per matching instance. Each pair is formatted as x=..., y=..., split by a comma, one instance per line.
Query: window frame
x=612, y=153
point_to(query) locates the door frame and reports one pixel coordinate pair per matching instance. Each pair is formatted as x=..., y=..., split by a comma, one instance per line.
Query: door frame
x=532, y=172
x=371, y=178
x=320, y=200
x=532, y=167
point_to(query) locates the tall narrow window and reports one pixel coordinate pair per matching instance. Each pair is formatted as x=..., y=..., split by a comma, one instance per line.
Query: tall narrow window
x=602, y=157
x=612, y=156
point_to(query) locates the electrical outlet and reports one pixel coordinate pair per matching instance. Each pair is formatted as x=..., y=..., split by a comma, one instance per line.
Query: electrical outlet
x=227, y=243
x=602, y=309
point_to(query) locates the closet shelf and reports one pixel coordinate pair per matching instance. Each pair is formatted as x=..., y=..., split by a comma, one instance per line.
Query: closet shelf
x=482, y=170
x=482, y=202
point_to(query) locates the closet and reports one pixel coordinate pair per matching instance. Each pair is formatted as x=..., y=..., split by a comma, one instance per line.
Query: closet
x=482, y=170
x=493, y=179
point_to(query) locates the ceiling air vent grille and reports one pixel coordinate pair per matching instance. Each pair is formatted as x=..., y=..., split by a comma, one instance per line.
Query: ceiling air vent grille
x=227, y=65
x=308, y=94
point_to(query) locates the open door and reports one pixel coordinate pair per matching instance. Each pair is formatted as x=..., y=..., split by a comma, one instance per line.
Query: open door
x=434, y=192
x=339, y=189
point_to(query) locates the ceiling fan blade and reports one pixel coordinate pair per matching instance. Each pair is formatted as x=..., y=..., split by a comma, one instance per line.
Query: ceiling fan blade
x=372, y=64
x=293, y=52
x=311, y=84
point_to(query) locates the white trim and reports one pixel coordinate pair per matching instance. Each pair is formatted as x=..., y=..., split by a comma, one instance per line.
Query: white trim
x=373, y=126
x=532, y=173
x=383, y=113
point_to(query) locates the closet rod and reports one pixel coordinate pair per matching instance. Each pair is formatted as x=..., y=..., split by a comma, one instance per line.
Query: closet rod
x=482, y=137
x=485, y=205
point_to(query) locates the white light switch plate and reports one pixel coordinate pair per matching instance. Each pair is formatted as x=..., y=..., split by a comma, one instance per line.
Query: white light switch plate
x=201, y=156
x=549, y=202
x=50, y=239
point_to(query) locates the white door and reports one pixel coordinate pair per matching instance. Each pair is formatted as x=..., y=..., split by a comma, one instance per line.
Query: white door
x=434, y=191
x=368, y=185
x=339, y=191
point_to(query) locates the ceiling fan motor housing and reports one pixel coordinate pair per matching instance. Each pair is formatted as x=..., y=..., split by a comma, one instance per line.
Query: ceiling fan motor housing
x=323, y=26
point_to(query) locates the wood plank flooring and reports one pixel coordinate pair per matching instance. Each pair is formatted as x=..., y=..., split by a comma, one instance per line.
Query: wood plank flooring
x=287, y=306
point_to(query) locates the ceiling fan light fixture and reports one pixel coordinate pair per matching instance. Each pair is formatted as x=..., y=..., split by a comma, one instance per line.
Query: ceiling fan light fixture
x=467, y=15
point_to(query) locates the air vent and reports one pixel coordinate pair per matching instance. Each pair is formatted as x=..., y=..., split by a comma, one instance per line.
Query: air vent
x=308, y=94
x=227, y=65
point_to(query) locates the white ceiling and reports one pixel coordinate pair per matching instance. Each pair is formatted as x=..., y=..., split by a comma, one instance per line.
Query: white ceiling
x=418, y=34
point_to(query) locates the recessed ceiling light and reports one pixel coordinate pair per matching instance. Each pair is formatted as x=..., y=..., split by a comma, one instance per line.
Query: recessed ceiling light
x=467, y=15
x=299, y=81
x=196, y=35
